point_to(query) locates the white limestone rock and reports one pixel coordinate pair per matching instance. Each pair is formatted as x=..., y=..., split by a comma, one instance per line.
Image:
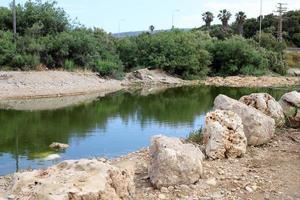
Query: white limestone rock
x=174, y=163
x=223, y=135
x=290, y=103
x=266, y=104
x=74, y=180
x=258, y=127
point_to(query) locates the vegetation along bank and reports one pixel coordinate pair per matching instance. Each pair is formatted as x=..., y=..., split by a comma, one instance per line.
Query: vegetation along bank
x=48, y=39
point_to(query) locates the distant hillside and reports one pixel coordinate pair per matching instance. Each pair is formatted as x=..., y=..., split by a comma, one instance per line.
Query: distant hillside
x=136, y=33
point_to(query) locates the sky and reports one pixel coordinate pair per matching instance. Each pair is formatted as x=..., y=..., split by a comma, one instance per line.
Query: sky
x=136, y=15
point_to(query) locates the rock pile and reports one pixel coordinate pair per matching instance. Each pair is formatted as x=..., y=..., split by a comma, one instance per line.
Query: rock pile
x=224, y=135
x=266, y=104
x=173, y=163
x=290, y=103
x=75, y=180
x=258, y=127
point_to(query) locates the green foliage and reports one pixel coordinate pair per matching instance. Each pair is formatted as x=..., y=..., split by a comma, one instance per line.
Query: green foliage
x=69, y=65
x=236, y=56
x=296, y=39
x=108, y=68
x=269, y=42
x=7, y=47
x=47, y=15
x=128, y=52
x=196, y=136
x=217, y=31
x=176, y=52
x=46, y=36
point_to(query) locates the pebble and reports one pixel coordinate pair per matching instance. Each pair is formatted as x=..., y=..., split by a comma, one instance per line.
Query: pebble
x=249, y=189
x=164, y=190
x=162, y=196
x=211, y=181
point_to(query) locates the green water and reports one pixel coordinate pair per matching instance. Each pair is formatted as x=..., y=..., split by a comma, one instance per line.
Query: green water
x=109, y=126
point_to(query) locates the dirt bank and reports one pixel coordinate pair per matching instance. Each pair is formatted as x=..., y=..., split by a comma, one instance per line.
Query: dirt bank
x=252, y=81
x=267, y=172
x=29, y=85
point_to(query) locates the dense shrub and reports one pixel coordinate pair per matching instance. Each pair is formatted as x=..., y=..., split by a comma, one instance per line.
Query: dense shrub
x=7, y=48
x=128, y=51
x=236, y=56
x=269, y=42
x=176, y=52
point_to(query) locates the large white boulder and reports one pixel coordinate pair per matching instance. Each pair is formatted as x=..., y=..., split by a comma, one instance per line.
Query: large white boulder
x=74, y=180
x=266, y=104
x=174, y=163
x=223, y=135
x=290, y=103
x=258, y=127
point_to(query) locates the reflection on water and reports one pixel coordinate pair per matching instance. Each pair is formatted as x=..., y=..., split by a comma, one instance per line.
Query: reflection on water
x=111, y=126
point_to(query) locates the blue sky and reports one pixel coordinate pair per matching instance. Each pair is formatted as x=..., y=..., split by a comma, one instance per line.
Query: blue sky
x=134, y=15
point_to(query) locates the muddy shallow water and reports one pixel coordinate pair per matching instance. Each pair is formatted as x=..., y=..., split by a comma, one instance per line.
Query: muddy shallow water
x=107, y=126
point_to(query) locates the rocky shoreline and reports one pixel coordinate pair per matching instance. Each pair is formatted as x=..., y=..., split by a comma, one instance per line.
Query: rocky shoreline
x=241, y=157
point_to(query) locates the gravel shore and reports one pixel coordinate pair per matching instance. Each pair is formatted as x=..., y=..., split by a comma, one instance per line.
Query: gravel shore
x=46, y=84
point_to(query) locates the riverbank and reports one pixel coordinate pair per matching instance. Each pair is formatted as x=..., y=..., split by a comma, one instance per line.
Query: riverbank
x=47, y=84
x=270, y=171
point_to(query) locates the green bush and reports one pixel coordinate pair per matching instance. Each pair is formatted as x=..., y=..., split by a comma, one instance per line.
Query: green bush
x=25, y=61
x=296, y=39
x=108, y=68
x=7, y=48
x=269, y=42
x=69, y=65
x=177, y=52
x=128, y=52
x=236, y=56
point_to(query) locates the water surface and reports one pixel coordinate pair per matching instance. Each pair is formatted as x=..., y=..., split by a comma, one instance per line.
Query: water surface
x=109, y=126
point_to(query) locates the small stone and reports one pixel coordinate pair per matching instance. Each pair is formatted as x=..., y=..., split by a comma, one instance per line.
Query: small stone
x=211, y=181
x=56, y=145
x=164, y=190
x=254, y=187
x=170, y=188
x=249, y=189
x=11, y=196
x=162, y=196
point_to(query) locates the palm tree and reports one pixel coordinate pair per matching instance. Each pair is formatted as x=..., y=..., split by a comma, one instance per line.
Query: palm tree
x=224, y=16
x=151, y=28
x=207, y=17
x=240, y=20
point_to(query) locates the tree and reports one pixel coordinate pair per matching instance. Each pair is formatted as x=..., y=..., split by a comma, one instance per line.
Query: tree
x=207, y=17
x=240, y=20
x=224, y=16
x=151, y=28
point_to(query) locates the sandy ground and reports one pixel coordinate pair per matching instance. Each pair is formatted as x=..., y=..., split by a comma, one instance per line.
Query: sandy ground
x=270, y=172
x=29, y=85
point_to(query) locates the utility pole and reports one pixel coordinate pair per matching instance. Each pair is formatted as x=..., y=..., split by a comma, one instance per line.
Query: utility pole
x=14, y=20
x=260, y=22
x=280, y=10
